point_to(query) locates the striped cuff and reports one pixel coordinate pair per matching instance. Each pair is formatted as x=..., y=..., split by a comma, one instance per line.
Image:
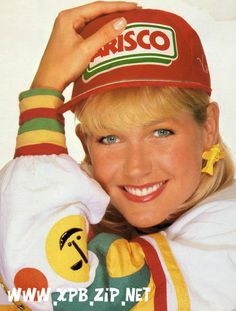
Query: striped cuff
x=41, y=130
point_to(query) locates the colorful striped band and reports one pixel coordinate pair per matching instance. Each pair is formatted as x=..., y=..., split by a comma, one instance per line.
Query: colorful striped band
x=40, y=149
x=41, y=130
x=41, y=124
x=41, y=113
x=40, y=101
x=40, y=91
x=39, y=137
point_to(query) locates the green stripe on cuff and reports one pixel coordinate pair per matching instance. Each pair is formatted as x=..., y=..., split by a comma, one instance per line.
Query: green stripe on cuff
x=41, y=124
x=34, y=92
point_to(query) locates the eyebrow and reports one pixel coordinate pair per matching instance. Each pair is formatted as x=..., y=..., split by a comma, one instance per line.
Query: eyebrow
x=157, y=121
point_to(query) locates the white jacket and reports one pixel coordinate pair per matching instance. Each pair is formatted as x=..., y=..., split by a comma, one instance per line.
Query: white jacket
x=38, y=191
x=46, y=206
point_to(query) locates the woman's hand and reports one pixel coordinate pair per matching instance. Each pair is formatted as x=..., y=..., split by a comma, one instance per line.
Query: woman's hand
x=67, y=54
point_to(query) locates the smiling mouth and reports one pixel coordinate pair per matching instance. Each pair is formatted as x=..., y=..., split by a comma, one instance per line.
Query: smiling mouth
x=144, y=193
x=77, y=265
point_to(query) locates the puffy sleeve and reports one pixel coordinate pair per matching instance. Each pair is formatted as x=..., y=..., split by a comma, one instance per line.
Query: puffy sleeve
x=47, y=203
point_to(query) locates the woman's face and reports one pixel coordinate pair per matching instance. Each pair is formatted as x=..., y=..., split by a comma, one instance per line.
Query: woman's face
x=149, y=171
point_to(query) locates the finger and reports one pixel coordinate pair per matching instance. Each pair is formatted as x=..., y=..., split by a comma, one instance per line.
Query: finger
x=97, y=8
x=104, y=35
x=90, y=11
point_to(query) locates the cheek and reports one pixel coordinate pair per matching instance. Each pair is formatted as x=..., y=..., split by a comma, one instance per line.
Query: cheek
x=184, y=158
x=187, y=167
x=189, y=159
x=104, y=169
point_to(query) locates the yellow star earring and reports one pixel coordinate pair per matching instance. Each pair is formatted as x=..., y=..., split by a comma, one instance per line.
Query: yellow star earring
x=212, y=156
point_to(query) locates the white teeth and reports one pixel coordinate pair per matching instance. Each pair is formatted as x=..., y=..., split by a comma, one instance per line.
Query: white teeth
x=145, y=191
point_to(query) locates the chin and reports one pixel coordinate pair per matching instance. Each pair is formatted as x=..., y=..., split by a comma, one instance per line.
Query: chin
x=145, y=222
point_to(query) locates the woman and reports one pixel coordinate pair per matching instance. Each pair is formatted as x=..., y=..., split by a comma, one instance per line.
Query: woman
x=152, y=141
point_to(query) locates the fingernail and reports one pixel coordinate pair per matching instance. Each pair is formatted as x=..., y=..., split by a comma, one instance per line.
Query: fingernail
x=120, y=23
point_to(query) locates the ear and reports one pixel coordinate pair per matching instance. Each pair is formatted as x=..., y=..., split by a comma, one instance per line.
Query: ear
x=82, y=137
x=211, y=126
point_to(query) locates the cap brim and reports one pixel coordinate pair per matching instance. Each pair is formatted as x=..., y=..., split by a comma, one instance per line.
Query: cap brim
x=71, y=104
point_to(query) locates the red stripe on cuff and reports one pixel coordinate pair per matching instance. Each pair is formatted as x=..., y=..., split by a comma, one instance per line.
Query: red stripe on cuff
x=40, y=149
x=153, y=262
x=40, y=113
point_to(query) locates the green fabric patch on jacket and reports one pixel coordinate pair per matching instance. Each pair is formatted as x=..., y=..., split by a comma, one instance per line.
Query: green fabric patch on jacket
x=106, y=293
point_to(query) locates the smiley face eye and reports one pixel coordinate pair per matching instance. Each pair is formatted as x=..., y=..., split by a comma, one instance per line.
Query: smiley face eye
x=69, y=244
x=78, y=237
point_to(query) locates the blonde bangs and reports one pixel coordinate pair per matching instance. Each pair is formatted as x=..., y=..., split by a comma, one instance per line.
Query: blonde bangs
x=125, y=108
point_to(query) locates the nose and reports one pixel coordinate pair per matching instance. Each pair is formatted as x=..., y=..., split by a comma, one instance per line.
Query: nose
x=138, y=161
x=79, y=250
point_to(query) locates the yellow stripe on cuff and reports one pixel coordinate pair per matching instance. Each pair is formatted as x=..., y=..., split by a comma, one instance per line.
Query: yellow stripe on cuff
x=182, y=295
x=40, y=137
x=40, y=101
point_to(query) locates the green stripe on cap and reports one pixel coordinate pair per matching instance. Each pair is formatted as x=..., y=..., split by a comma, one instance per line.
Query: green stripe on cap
x=126, y=61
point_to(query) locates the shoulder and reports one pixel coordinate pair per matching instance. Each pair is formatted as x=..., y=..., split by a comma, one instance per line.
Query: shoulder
x=211, y=219
x=203, y=241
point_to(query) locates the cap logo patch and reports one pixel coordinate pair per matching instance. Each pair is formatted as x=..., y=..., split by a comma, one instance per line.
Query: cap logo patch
x=140, y=43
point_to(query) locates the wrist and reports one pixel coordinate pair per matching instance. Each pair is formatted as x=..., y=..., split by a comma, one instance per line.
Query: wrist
x=47, y=82
x=41, y=130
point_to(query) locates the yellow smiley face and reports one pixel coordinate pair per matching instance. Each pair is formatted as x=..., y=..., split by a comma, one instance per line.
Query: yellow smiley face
x=66, y=248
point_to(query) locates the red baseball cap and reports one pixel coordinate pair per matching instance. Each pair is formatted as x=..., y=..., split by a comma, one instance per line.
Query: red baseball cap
x=157, y=48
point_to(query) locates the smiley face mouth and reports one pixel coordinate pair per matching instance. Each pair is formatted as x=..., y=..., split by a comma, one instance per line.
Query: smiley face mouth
x=77, y=265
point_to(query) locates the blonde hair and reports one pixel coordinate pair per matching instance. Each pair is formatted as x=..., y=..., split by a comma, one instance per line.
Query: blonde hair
x=129, y=108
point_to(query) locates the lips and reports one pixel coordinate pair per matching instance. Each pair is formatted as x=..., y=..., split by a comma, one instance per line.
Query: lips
x=144, y=193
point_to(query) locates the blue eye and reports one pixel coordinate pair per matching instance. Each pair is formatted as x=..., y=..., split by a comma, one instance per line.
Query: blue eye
x=109, y=140
x=163, y=133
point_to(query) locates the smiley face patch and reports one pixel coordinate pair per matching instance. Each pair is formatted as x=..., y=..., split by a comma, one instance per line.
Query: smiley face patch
x=66, y=248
